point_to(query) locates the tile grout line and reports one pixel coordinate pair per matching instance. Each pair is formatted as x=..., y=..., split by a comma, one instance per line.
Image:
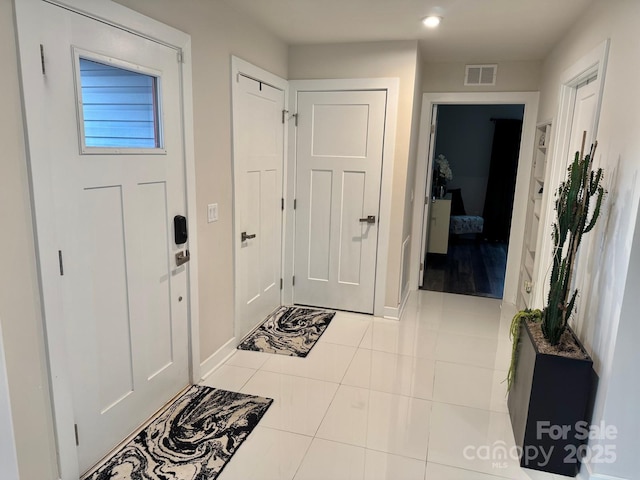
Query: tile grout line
x=432, y=399
x=306, y=452
x=467, y=470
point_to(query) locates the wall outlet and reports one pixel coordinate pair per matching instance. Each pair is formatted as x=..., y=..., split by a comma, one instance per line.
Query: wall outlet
x=212, y=212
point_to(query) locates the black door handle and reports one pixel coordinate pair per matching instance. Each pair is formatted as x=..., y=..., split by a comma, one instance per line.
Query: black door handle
x=244, y=237
x=370, y=219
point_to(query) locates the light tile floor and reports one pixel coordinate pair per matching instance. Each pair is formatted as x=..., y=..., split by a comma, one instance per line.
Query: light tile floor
x=381, y=399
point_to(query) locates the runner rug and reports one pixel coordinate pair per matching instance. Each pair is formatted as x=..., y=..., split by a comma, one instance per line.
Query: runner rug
x=289, y=331
x=192, y=439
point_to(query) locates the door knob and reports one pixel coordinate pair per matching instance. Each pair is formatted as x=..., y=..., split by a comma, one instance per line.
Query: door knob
x=370, y=219
x=244, y=237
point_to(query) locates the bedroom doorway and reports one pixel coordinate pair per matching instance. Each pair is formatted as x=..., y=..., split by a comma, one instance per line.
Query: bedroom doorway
x=474, y=165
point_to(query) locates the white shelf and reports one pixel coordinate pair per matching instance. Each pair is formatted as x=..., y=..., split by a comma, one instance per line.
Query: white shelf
x=537, y=207
x=534, y=212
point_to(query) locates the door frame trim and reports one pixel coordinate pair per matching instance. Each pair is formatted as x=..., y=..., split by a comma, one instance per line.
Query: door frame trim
x=516, y=236
x=28, y=21
x=242, y=67
x=392, y=86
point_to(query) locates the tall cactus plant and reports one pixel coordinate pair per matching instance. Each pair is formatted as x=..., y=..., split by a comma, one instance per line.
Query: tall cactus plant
x=574, y=200
x=574, y=218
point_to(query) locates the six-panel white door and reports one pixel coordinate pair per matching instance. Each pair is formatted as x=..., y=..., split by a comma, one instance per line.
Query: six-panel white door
x=125, y=300
x=258, y=153
x=339, y=163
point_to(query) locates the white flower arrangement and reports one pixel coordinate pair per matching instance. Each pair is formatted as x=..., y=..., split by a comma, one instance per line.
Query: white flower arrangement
x=444, y=170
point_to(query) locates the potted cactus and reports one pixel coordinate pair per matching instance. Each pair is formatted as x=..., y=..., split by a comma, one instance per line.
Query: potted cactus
x=550, y=377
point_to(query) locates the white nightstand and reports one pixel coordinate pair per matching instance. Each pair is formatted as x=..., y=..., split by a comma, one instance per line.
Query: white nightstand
x=440, y=213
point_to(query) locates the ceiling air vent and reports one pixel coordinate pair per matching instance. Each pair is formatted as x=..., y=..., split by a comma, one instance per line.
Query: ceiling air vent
x=480, y=75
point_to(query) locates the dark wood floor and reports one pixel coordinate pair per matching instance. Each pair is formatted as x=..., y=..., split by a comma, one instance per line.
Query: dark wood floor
x=469, y=268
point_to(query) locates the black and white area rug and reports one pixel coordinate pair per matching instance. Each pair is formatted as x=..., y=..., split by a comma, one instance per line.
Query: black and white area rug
x=193, y=439
x=290, y=331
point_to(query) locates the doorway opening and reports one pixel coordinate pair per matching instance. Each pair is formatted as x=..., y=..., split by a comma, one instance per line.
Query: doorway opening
x=474, y=166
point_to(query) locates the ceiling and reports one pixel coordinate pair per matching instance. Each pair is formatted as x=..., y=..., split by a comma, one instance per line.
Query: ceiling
x=471, y=30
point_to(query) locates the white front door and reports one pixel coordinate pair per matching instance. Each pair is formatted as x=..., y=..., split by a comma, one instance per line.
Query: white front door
x=338, y=167
x=258, y=132
x=115, y=137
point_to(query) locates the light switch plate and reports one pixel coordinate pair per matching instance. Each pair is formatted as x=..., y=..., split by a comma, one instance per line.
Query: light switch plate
x=212, y=212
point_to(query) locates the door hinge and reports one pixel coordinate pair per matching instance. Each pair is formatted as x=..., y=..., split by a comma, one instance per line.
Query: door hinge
x=282, y=204
x=295, y=115
x=75, y=429
x=295, y=203
x=284, y=115
x=281, y=283
x=433, y=129
x=60, y=263
x=421, y=266
x=180, y=56
x=44, y=70
x=293, y=281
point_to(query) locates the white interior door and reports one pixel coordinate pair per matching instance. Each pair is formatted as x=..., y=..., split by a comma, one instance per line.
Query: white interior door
x=584, y=120
x=338, y=169
x=259, y=156
x=428, y=195
x=115, y=139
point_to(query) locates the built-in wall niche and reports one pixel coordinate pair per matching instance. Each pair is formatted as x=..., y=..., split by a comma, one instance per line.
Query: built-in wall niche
x=534, y=208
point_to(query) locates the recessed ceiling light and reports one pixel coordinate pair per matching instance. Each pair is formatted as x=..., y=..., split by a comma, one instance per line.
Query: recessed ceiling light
x=431, y=21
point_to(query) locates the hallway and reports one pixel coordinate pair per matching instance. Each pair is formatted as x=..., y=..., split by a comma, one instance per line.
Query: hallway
x=381, y=399
x=469, y=268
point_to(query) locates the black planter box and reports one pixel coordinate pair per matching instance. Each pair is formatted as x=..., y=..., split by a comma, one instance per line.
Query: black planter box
x=549, y=407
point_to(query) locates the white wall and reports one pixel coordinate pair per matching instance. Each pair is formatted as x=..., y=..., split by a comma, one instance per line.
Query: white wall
x=8, y=456
x=19, y=292
x=623, y=398
x=512, y=77
x=465, y=137
x=364, y=60
x=409, y=198
x=217, y=32
x=612, y=239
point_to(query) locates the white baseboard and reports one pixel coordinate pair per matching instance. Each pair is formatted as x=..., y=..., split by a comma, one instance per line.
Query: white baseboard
x=404, y=303
x=217, y=358
x=392, y=313
x=395, y=313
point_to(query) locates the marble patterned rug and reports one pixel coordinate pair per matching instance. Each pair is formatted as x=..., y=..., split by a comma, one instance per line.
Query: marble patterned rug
x=193, y=439
x=289, y=331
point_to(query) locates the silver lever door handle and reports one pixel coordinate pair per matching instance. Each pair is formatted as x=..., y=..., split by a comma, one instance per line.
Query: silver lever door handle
x=244, y=237
x=182, y=258
x=370, y=219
